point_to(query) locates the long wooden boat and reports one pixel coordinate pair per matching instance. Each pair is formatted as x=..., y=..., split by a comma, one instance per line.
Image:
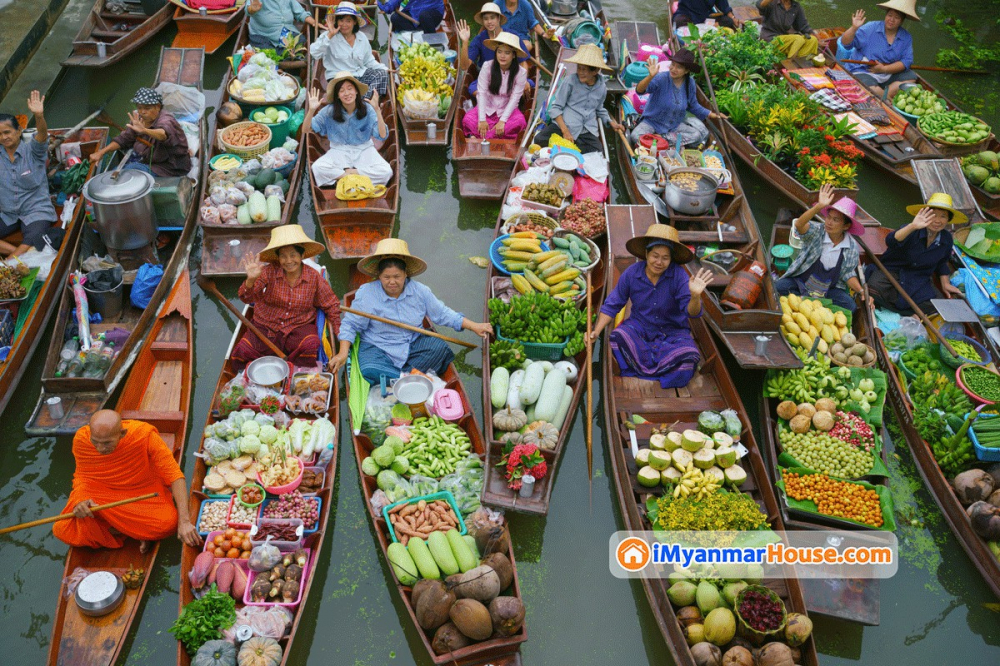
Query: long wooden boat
x=35, y=311
x=352, y=229
x=82, y=396
x=313, y=542
x=369, y=7
x=218, y=256
x=711, y=388
x=106, y=37
x=547, y=16
x=158, y=393
x=415, y=130
x=485, y=176
x=209, y=30
x=626, y=38
x=499, y=651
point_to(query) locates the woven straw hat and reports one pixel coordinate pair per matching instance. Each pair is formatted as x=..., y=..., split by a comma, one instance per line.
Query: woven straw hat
x=591, y=56
x=941, y=201
x=289, y=234
x=350, y=9
x=489, y=8
x=507, y=39
x=346, y=76
x=679, y=252
x=396, y=249
x=907, y=7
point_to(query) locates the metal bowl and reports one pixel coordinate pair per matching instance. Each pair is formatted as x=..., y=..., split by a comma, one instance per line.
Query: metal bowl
x=268, y=371
x=99, y=593
x=697, y=202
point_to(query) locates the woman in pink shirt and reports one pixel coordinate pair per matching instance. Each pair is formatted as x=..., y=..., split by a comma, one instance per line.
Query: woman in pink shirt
x=501, y=84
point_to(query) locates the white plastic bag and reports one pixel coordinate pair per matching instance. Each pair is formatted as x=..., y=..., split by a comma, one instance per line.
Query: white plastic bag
x=40, y=259
x=181, y=101
x=414, y=108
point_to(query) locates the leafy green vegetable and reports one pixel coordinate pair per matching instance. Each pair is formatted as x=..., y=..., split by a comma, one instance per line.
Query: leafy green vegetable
x=203, y=620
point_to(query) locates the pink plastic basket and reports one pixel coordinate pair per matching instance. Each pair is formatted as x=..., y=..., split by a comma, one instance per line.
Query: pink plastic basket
x=288, y=487
x=306, y=572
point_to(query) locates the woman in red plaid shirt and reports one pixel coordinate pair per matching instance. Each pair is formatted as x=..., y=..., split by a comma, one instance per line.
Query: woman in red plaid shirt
x=286, y=294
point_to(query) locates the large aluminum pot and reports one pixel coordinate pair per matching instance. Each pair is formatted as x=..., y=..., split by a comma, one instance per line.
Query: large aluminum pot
x=695, y=199
x=123, y=208
x=268, y=372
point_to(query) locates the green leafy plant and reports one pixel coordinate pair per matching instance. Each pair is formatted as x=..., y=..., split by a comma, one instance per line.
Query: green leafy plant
x=294, y=48
x=203, y=620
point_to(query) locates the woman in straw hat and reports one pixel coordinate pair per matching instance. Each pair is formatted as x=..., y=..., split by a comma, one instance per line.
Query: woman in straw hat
x=342, y=48
x=887, y=43
x=827, y=264
x=350, y=125
x=386, y=351
x=579, y=103
x=655, y=341
x=285, y=294
x=475, y=51
x=914, y=253
x=501, y=84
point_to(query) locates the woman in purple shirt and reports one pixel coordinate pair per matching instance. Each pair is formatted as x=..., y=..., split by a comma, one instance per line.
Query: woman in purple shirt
x=501, y=84
x=655, y=341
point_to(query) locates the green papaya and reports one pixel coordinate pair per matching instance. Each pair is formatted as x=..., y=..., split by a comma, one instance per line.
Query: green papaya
x=992, y=185
x=266, y=177
x=989, y=159
x=976, y=175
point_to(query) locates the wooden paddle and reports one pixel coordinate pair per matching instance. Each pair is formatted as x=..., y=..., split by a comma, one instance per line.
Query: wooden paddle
x=415, y=329
x=590, y=388
x=539, y=65
x=67, y=516
x=871, y=63
x=628, y=146
x=208, y=286
x=906, y=297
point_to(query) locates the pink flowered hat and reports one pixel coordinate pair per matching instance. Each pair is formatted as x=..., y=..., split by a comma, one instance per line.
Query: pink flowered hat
x=849, y=207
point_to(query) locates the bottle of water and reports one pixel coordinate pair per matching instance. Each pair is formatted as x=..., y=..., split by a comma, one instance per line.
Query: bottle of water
x=106, y=357
x=92, y=358
x=62, y=367
x=325, y=456
x=70, y=349
x=75, y=366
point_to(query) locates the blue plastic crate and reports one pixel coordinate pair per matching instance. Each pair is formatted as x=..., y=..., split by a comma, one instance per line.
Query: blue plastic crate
x=202, y=509
x=319, y=510
x=441, y=495
x=984, y=453
x=540, y=351
x=496, y=257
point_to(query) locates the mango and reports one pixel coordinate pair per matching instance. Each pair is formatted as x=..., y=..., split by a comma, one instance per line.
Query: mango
x=827, y=334
x=802, y=321
x=840, y=319
x=805, y=340
x=793, y=328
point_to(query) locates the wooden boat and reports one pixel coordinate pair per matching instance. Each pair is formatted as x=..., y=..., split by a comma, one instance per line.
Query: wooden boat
x=209, y=30
x=82, y=396
x=550, y=18
x=711, y=388
x=352, y=229
x=626, y=38
x=158, y=393
x=370, y=9
x=35, y=311
x=497, y=651
x=313, y=542
x=415, y=130
x=219, y=258
x=106, y=37
x=485, y=176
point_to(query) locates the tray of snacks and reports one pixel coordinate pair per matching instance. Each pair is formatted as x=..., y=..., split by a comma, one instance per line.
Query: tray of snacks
x=309, y=393
x=223, y=479
x=543, y=197
x=285, y=533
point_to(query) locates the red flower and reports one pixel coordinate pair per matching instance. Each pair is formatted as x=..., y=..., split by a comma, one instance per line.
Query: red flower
x=804, y=151
x=829, y=137
x=519, y=460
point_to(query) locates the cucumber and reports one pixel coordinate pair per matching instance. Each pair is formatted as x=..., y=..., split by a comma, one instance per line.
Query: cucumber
x=460, y=549
x=470, y=541
x=402, y=564
x=499, y=383
x=421, y=555
x=440, y=549
x=561, y=242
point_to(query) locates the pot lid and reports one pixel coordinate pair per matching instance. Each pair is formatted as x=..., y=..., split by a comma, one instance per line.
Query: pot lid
x=130, y=184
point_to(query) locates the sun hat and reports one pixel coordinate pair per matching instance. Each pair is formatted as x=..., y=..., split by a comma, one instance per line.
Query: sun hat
x=507, y=39
x=146, y=95
x=489, y=8
x=907, y=7
x=685, y=58
x=941, y=201
x=849, y=208
x=591, y=56
x=346, y=76
x=289, y=234
x=350, y=9
x=396, y=249
x=679, y=252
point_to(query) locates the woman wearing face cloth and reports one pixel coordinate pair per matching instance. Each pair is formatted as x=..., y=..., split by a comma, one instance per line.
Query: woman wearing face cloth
x=386, y=350
x=155, y=137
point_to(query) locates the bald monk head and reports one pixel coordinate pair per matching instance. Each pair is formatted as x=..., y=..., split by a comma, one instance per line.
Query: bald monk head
x=106, y=430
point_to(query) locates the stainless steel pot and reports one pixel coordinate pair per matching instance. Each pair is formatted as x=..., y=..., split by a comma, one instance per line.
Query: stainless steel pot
x=123, y=208
x=563, y=7
x=99, y=593
x=268, y=372
x=691, y=202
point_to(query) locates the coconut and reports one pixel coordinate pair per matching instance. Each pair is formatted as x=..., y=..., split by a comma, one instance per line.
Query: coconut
x=973, y=485
x=994, y=498
x=704, y=459
x=500, y=563
x=448, y=639
x=722, y=439
x=688, y=615
x=507, y=614
x=736, y=475
x=787, y=410
x=648, y=477
x=738, y=656
x=481, y=583
x=642, y=458
x=725, y=457
x=659, y=460
x=706, y=654
x=682, y=593
x=670, y=476
x=694, y=633
x=707, y=597
x=826, y=405
x=692, y=440
x=472, y=619
x=800, y=424
x=730, y=591
x=775, y=654
x=657, y=441
x=823, y=421
x=419, y=588
x=433, y=605
x=720, y=626
x=805, y=409
x=847, y=340
x=228, y=114
x=682, y=459
x=716, y=473
x=798, y=628
x=674, y=440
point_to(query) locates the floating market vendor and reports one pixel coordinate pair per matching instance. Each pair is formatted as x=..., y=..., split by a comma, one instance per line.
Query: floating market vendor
x=351, y=125
x=501, y=84
x=285, y=295
x=271, y=20
x=785, y=24
x=671, y=96
x=386, y=350
x=887, y=43
x=914, y=253
x=827, y=264
x=118, y=460
x=157, y=141
x=698, y=11
x=521, y=20
x=655, y=341
x=579, y=103
x=24, y=195
x=343, y=48
x=413, y=15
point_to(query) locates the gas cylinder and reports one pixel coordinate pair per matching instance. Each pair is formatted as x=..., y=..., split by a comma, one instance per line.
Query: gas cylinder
x=745, y=287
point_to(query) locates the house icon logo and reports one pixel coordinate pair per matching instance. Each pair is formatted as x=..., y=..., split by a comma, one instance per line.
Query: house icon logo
x=632, y=554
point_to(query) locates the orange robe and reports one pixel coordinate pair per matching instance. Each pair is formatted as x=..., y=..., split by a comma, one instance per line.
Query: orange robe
x=140, y=464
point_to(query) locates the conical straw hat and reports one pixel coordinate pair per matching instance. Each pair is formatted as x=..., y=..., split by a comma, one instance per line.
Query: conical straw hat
x=907, y=7
x=678, y=251
x=590, y=55
x=394, y=248
x=289, y=234
x=507, y=39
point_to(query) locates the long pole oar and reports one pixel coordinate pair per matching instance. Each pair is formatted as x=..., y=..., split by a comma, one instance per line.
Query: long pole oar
x=590, y=388
x=906, y=297
x=209, y=287
x=67, y=516
x=872, y=63
x=415, y=329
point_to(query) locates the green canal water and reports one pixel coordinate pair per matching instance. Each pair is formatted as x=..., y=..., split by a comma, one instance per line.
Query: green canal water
x=932, y=612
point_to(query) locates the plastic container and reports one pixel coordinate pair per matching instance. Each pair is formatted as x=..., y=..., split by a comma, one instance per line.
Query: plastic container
x=283, y=546
x=961, y=384
x=202, y=510
x=781, y=256
x=953, y=362
x=288, y=487
x=239, y=495
x=305, y=532
x=442, y=495
x=448, y=405
x=634, y=72
x=239, y=526
x=321, y=471
x=279, y=131
x=540, y=351
x=210, y=547
x=662, y=146
x=497, y=258
x=984, y=453
x=223, y=156
x=306, y=572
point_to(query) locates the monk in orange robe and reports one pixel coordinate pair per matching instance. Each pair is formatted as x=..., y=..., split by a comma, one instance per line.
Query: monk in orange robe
x=117, y=460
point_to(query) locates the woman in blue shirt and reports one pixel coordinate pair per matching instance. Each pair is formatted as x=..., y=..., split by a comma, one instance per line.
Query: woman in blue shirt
x=271, y=19
x=350, y=126
x=886, y=43
x=412, y=15
x=671, y=96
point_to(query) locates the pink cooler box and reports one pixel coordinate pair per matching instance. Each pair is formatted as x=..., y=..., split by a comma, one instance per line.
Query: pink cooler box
x=448, y=405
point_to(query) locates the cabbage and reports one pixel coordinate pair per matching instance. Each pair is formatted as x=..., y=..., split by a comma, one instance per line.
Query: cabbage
x=297, y=432
x=262, y=60
x=733, y=425
x=263, y=419
x=369, y=466
x=396, y=443
x=384, y=455
x=249, y=444
x=225, y=430
x=236, y=420
x=711, y=422
x=248, y=414
x=216, y=451
x=387, y=480
x=268, y=434
x=400, y=465
x=250, y=428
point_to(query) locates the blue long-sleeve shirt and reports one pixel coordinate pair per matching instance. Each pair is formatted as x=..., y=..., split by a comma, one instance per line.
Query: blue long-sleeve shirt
x=351, y=132
x=522, y=21
x=274, y=15
x=580, y=105
x=699, y=10
x=667, y=105
x=412, y=7
x=870, y=42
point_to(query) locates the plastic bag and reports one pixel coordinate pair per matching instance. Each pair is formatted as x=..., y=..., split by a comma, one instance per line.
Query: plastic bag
x=585, y=187
x=227, y=213
x=425, y=485
x=235, y=196
x=378, y=416
x=183, y=102
x=249, y=71
x=40, y=259
x=295, y=122
x=913, y=329
x=71, y=581
x=274, y=191
x=232, y=395
x=487, y=527
x=420, y=109
x=147, y=279
x=265, y=621
x=379, y=501
x=255, y=394
x=290, y=144
x=264, y=557
x=252, y=166
x=218, y=194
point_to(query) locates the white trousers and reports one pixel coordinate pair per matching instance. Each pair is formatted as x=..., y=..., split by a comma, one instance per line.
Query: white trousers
x=365, y=158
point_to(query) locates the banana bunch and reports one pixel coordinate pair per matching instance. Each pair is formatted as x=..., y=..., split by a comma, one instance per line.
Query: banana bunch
x=813, y=381
x=535, y=270
x=426, y=74
x=695, y=483
x=805, y=319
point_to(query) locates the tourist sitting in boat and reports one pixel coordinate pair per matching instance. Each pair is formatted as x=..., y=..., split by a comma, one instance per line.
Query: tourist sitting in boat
x=285, y=294
x=579, y=103
x=672, y=95
x=827, y=263
x=342, y=48
x=157, y=141
x=785, y=24
x=886, y=43
x=475, y=51
x=501, y=84
x=655, y=341
x=387, y=351
x=412, y=15
x=521, y=20
x=914, y=253
x=350, y=124
x=272, y=20
x=118, y=460
x=25, y=204
x=698, y=11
